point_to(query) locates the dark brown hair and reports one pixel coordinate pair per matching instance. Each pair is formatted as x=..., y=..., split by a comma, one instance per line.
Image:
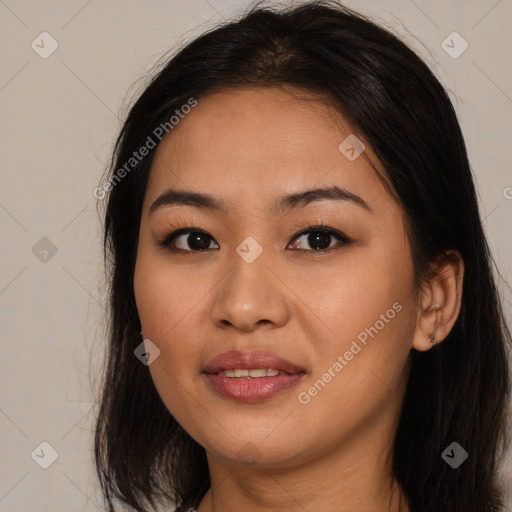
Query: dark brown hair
x=457, y=391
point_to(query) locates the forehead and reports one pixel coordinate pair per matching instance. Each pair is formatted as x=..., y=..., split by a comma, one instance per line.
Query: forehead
x=256, y=144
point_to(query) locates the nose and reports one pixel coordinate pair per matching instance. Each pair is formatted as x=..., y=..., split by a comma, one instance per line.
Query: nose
x=249, y=296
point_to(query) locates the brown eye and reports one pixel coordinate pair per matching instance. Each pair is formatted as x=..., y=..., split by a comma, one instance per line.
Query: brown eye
x=191, y=240
x=320, y=238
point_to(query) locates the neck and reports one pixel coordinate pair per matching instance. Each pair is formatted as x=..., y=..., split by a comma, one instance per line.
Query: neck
x=355, y=477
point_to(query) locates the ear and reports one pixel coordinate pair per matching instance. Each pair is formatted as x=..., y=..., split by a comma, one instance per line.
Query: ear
x=440, y=301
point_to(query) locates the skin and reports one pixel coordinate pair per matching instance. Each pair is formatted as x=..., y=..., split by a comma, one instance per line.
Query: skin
x=249, y=147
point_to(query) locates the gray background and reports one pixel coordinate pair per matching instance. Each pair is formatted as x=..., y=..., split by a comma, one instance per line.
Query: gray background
x=60, y=116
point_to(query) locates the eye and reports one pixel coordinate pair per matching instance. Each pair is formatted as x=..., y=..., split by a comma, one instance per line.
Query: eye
x=196, y=239
x=320, y=238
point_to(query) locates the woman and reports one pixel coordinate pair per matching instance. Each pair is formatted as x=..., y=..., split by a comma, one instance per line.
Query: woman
x=303, y=312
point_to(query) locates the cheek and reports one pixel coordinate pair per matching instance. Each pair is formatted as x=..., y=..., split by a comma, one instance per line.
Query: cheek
x=165, y=302
x=374, y=324
x=362, y=293
x=369, y=309
x=163, y=295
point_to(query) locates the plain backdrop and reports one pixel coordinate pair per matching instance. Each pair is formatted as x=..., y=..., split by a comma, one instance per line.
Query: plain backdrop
x=60, y=115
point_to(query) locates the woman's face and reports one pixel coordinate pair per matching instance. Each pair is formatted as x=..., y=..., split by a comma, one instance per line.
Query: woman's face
x=334, y=313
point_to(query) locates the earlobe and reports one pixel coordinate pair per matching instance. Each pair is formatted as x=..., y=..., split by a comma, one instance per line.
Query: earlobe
x=441, y=302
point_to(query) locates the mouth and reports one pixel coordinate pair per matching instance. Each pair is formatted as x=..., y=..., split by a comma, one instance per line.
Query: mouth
x=257, y=361
x=254, y=373
x=251, y=376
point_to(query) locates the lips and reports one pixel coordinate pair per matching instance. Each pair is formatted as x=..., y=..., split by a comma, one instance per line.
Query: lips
x=250, y=361
x=251, y=376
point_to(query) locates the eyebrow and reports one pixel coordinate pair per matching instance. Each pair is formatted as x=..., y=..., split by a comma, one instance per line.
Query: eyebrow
x=299, y=199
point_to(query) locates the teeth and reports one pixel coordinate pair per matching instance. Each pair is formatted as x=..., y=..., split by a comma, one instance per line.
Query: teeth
x=254, y=373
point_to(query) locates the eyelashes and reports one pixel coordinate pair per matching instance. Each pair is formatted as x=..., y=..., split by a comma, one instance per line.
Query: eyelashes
x=199, y=240
x=168, y=240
